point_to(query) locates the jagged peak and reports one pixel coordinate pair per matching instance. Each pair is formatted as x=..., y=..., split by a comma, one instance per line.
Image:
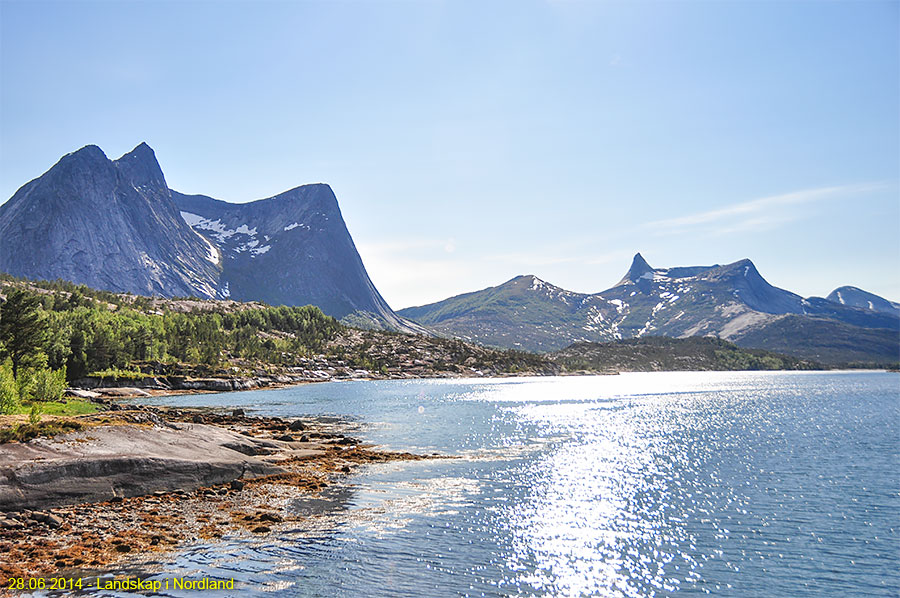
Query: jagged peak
x=87, y=156
x=639, y=262
x=142, y=165
x=639, y=267
x=142, y=150
x=78, y=164
x=142, y=153
x=90, y=151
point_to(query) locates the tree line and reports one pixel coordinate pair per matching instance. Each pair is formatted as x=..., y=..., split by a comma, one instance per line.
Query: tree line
x=70, y=327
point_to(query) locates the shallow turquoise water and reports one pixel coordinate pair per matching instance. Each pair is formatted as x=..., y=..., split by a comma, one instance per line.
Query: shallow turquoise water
x=731, y=484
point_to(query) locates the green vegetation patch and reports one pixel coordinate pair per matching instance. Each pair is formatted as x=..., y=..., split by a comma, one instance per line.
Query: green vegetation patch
x=119, y=374
x=61, y=408
x=87, y=332
x=26, y=432
x=650, y=354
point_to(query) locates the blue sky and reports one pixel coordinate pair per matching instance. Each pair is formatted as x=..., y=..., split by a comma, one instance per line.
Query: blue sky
x=469, y=142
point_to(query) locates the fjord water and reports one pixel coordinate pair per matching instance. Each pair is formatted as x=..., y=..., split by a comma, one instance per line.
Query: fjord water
x=730, y=484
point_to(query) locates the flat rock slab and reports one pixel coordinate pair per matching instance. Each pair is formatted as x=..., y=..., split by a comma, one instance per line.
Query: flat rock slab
x=122, y=391
x=105, y=462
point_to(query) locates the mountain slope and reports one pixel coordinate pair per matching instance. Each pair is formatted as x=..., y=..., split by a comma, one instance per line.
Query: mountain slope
x=107, y=224
x=523, y=313
x=658, y=353
x=290, y=249
x=826, y=340
x=855, y=297
x=115, y=225
x=728, y=301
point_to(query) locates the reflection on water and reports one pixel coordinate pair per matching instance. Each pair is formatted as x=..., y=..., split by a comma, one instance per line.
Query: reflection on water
x=749, y=484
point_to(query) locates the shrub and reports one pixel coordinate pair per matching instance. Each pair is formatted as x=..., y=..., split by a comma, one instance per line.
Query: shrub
x=49, y=385
x=9, y=392
x=37, y=408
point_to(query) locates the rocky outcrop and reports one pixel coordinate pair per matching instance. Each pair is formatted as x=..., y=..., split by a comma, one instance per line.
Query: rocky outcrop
x=106, y=462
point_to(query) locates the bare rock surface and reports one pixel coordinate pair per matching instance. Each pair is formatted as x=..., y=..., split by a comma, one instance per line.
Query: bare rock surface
x=104, y=462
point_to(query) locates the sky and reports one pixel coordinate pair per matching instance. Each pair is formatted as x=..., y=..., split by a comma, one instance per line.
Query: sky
x=470, y=142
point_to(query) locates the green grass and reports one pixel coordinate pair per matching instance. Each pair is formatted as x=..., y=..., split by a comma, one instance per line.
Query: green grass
x=118, y=374
x=63, y=408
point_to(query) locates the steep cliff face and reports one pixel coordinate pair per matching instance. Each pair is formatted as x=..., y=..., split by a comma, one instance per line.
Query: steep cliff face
x=291, y=249
x=109, y=224
x=115, y=225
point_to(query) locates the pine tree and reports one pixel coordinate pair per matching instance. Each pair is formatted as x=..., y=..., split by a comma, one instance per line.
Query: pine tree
x=23, y=332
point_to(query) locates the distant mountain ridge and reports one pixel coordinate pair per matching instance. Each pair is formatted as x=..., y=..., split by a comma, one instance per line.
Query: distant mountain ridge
x=855, y=297
x=731, y=301
x=116, y=225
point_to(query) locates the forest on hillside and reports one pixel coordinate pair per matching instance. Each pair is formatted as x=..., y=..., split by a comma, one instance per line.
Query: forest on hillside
x=59, y=324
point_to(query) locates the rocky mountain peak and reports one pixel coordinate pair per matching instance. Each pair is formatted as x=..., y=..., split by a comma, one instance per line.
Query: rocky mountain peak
x=639, y=267
x=741, y=268
x=140, y=166
x=89, y=153
x=81, y=166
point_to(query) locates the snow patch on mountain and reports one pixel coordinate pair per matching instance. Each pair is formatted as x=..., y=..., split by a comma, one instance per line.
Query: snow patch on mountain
x=621, y=306
x=213, y=254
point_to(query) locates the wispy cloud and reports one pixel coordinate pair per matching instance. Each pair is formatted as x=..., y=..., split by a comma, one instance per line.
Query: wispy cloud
x=757, y=214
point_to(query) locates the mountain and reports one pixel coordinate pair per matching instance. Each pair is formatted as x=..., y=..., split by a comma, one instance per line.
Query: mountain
x=524, y=313
x=116, y=225
x=727, y=301
x=855, y=297
x=290, y=249
x=109, y=224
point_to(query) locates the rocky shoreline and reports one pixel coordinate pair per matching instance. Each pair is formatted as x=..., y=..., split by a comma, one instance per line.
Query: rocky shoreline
x=99, y=390
x=148, y=479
